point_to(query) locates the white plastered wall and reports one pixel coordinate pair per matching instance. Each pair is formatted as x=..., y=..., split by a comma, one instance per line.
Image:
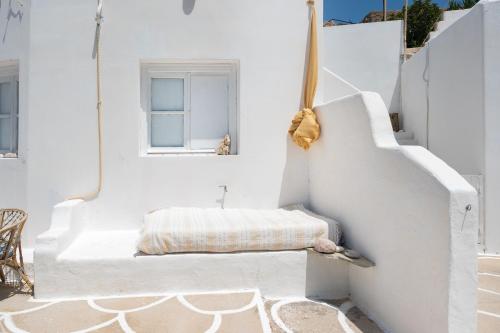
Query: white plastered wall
x=403, y=208
x=269, y=171
x=368, y=56
x=14, y=47
x=459, y=105
x=491, y=17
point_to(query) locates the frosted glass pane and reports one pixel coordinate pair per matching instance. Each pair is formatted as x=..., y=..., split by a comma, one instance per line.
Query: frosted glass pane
x=167, y=94
x=209, y=110
x=167, y=130
x=5, y=133
x=4, y=97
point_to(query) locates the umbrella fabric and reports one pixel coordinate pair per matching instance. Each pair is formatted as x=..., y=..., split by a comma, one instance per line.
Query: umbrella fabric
x=305, y=128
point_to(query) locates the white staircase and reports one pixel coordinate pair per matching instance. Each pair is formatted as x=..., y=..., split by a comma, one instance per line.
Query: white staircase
x=405, y=138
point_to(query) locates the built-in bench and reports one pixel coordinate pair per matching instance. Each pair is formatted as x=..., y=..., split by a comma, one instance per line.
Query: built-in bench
x=73, y=261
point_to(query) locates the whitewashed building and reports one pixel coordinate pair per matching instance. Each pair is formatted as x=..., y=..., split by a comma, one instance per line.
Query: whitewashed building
x=176, y=77
x=444, y=94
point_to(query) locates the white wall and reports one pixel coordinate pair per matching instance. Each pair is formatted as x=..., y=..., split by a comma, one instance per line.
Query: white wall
x=403, y=208
x=449, y=18
x=491, y=17
x=269, y=170
x=368, y=56
x=336, y=87
x=14, y=45
x=414, y=74
x=456, y=95
x=461, y=68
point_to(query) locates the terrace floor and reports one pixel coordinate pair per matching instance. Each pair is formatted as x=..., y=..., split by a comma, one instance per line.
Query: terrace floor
x=223, y=312
x=489, y=295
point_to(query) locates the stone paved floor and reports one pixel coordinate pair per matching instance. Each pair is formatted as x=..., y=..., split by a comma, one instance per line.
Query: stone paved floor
x=231, y=312
x=488, y=316
x=240, y=312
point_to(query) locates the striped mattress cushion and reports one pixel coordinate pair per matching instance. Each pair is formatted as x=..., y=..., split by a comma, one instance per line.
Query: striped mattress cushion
x=177, y=230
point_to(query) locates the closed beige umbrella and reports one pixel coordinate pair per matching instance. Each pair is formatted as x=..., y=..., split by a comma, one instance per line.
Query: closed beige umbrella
x=305, y=127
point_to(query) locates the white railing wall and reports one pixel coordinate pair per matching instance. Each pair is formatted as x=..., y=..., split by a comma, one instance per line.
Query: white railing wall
x=368, y=56
x=404, y=209
x=336, y=87
x=450, y=102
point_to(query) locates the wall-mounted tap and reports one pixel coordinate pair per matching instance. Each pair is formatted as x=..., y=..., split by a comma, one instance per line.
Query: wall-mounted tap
x=224, y=191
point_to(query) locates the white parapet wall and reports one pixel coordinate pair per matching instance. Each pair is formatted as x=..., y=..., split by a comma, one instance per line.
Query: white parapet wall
x=367, y=56
x=450, y=103
x=405, y=210
x=336, y=87
x=449, y=17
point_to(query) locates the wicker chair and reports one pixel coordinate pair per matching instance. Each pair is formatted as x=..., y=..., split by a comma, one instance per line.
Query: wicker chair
x=11, y=226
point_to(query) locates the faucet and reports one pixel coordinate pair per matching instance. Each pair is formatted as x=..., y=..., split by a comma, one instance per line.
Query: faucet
x=224, y=191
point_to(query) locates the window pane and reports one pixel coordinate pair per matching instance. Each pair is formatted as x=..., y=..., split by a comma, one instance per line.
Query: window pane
x=167, y=130
x=5, y=133
x=167, y=94
x=209, y=110
x=5, y=97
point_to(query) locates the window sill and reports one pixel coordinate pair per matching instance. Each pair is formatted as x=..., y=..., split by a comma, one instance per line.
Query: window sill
x=9, y=156
x=181, y=152
x=11, y=161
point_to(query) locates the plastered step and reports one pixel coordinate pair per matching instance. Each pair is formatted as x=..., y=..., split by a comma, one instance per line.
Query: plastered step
x=405, y=142
x=403, y=135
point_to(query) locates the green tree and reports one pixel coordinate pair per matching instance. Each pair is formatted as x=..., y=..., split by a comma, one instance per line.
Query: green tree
x=422, y=17
x=454, y=5
x=461, y=4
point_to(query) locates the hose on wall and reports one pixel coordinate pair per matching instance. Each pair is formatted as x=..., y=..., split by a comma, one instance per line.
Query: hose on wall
x=426, y=78
x=97, y=56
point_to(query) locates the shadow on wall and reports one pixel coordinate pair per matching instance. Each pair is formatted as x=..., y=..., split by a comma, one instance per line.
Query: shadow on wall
x=294, y=184
x=188, y=6
x=16, y=13
x=396, y=102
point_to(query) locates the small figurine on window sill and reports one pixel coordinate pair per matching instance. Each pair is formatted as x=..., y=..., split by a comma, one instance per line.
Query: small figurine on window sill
x=225, y=146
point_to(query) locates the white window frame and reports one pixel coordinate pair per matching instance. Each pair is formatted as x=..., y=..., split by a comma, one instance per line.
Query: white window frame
x=184, y=70
x=10, y=74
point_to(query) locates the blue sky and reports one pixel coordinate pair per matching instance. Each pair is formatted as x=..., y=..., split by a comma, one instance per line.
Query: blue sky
x=355, y=10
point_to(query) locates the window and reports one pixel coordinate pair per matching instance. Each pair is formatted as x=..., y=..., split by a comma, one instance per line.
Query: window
x=9, y=90
x=190, y=107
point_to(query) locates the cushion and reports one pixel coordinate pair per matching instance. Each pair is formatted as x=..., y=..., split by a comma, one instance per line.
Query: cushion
x=178, y=230
x=323, y=245
x=334, y=230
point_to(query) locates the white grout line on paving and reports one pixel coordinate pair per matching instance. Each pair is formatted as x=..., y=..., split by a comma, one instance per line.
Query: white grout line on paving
x=489, y=257
x=342, y=312
x=489, y=291
x=256, y=301
x=489, y=274
x=342, y=316
x=486, y=313
x=99, y=308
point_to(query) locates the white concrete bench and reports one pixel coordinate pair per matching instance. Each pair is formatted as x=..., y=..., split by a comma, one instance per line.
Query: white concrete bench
x=73, y=261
